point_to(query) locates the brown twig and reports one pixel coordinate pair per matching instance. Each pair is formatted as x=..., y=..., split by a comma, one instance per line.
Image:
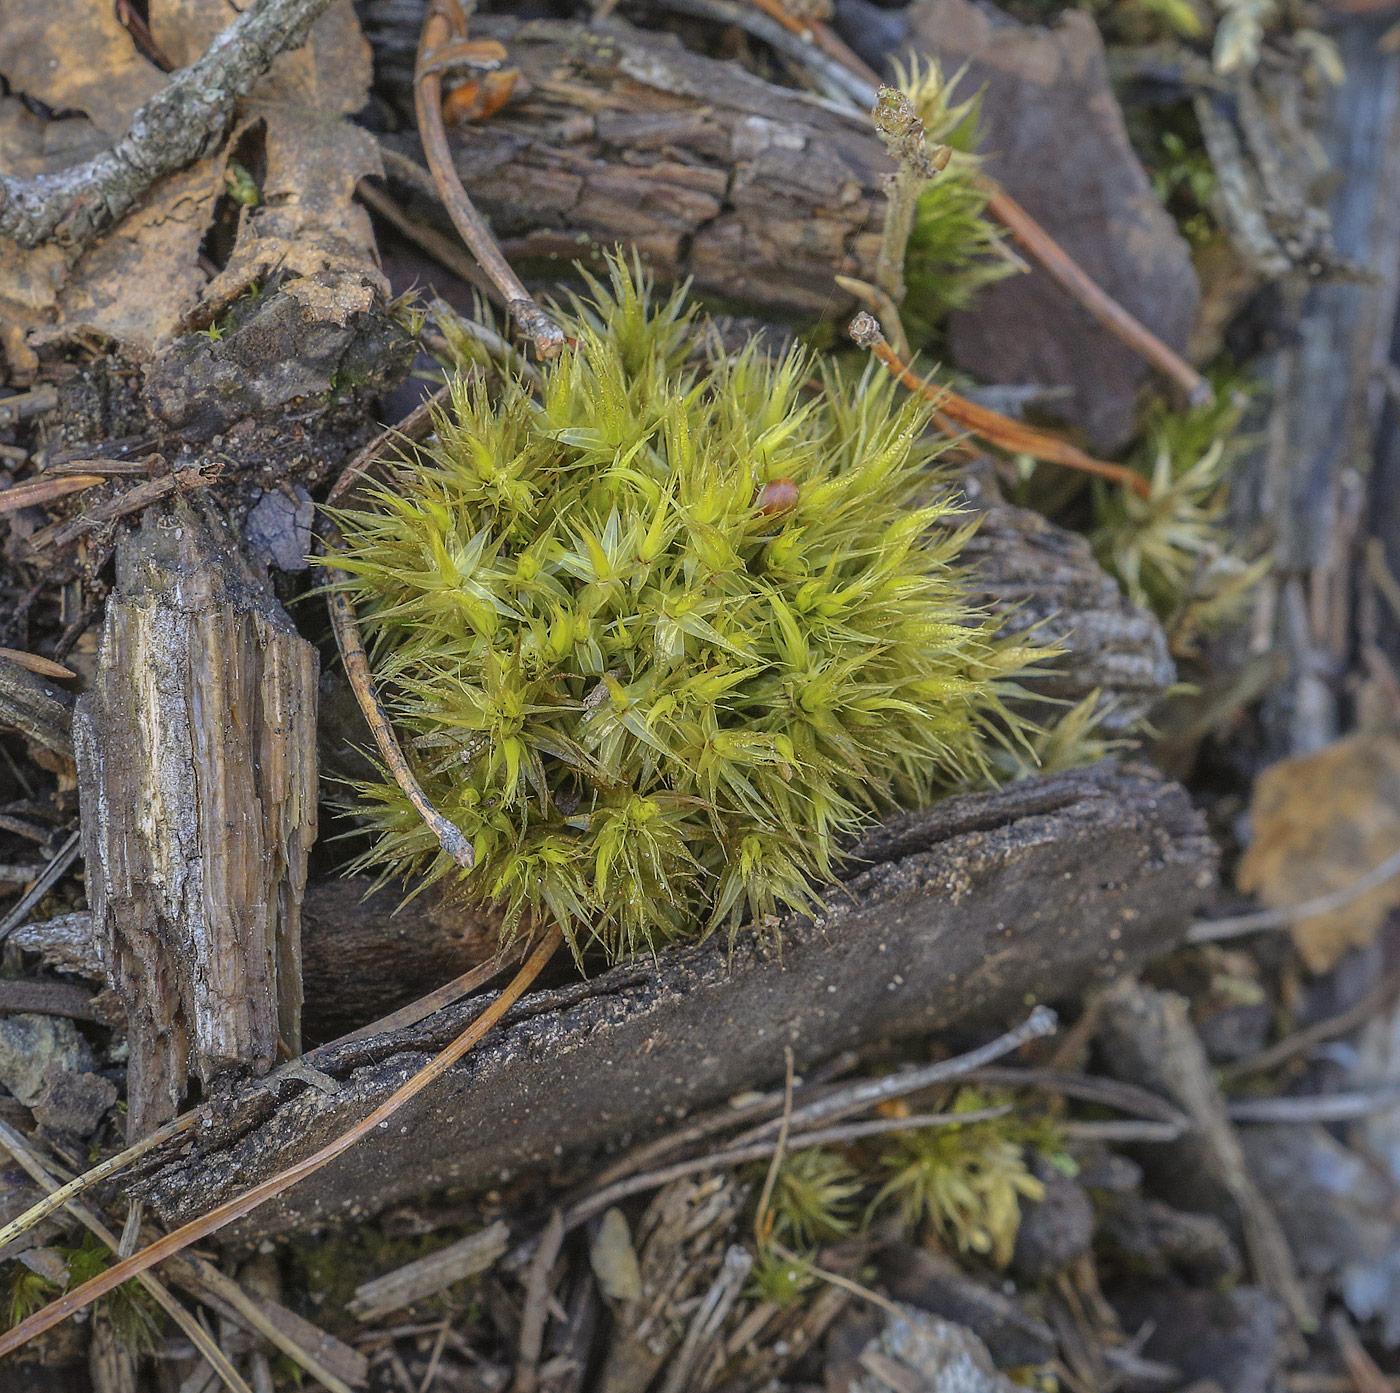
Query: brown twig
x=444, y=26
x=46, y=1206
x=25, y=404
x=36, y=491
x=234, y=1209
x=536, y=1309
x=437, y=244
x=182, y=122
x=20, y=1149
x=1364, y=1372
x=352, y=650
x=414, y=426
x=1301, y=1041
x=357, y=669
x=435, y=1001
x=1072, y=278
x=133, y=500
x=860, y=82
x=954, y=412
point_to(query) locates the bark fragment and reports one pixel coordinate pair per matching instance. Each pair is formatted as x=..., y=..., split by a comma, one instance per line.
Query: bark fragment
x=962, y=911
x=197, y=778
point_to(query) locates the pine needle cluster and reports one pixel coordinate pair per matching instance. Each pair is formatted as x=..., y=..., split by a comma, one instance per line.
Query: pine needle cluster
x=661, y=635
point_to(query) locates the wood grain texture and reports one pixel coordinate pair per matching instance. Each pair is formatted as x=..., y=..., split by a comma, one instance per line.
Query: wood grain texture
x=197, y=778
x=960, y=914
x=758, y=192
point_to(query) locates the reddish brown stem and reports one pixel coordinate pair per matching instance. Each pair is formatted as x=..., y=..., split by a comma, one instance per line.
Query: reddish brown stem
x=35, y=491
x=1050, y=256
x=235, y=1209
x=956, y=412
x=352, y=652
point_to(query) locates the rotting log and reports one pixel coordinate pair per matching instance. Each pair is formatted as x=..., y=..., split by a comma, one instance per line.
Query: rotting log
x=758, y=192
x=197, y=782
x=961, y=913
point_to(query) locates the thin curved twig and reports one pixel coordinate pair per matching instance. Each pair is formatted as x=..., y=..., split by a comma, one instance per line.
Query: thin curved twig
x=450, y=837
x=444, y=26
x=1213, y=930
x=815, y=45
x=234, y=1209
x=956, y=413
x=29, y=1159
x=596, y=1203
x=46, y=1206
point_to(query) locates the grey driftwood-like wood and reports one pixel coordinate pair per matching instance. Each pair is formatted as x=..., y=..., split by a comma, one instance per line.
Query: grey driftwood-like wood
x=961, y=914
x=178, y=125
x=1147, y=1039
x=197, y=780
x=758, y=192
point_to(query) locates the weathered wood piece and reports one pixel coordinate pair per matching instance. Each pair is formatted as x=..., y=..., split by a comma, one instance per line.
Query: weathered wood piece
x=1040, y=576
x=1147, y=1038
x=962, y=912
x=759, y=192
x=197, y=779
x=1055, y=139
x=39, y=709
x=364, y=953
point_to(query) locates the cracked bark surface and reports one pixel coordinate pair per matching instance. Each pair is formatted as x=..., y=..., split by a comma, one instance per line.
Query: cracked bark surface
x=616, y=135
x=961, y=912
x=197, y=775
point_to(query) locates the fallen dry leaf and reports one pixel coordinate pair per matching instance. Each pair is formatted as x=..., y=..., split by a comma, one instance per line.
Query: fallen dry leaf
x=1321, y=821
x=142, y=282
x=73, y=55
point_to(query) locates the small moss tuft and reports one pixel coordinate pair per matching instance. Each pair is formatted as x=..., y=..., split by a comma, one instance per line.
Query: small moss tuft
x=661, y=638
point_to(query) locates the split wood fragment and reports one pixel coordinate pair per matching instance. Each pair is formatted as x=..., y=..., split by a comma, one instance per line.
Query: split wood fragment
x=63, y=1307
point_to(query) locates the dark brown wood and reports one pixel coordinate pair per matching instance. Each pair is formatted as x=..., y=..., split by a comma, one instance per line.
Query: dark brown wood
x=197, y=778
x=759, y=192
x=964, y=912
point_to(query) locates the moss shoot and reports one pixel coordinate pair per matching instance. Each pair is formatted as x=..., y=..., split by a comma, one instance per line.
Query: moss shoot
x=659, y=636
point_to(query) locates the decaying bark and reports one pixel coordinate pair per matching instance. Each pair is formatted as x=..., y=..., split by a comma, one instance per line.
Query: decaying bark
x=197, y=777
x=1040, y=576
x=758, y=192
x=962, y=912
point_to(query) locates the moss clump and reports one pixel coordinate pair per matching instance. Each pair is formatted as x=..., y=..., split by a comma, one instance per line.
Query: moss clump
x=955, y=249
x=1173, y=551
x=966, y=1181
x=659, y=639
